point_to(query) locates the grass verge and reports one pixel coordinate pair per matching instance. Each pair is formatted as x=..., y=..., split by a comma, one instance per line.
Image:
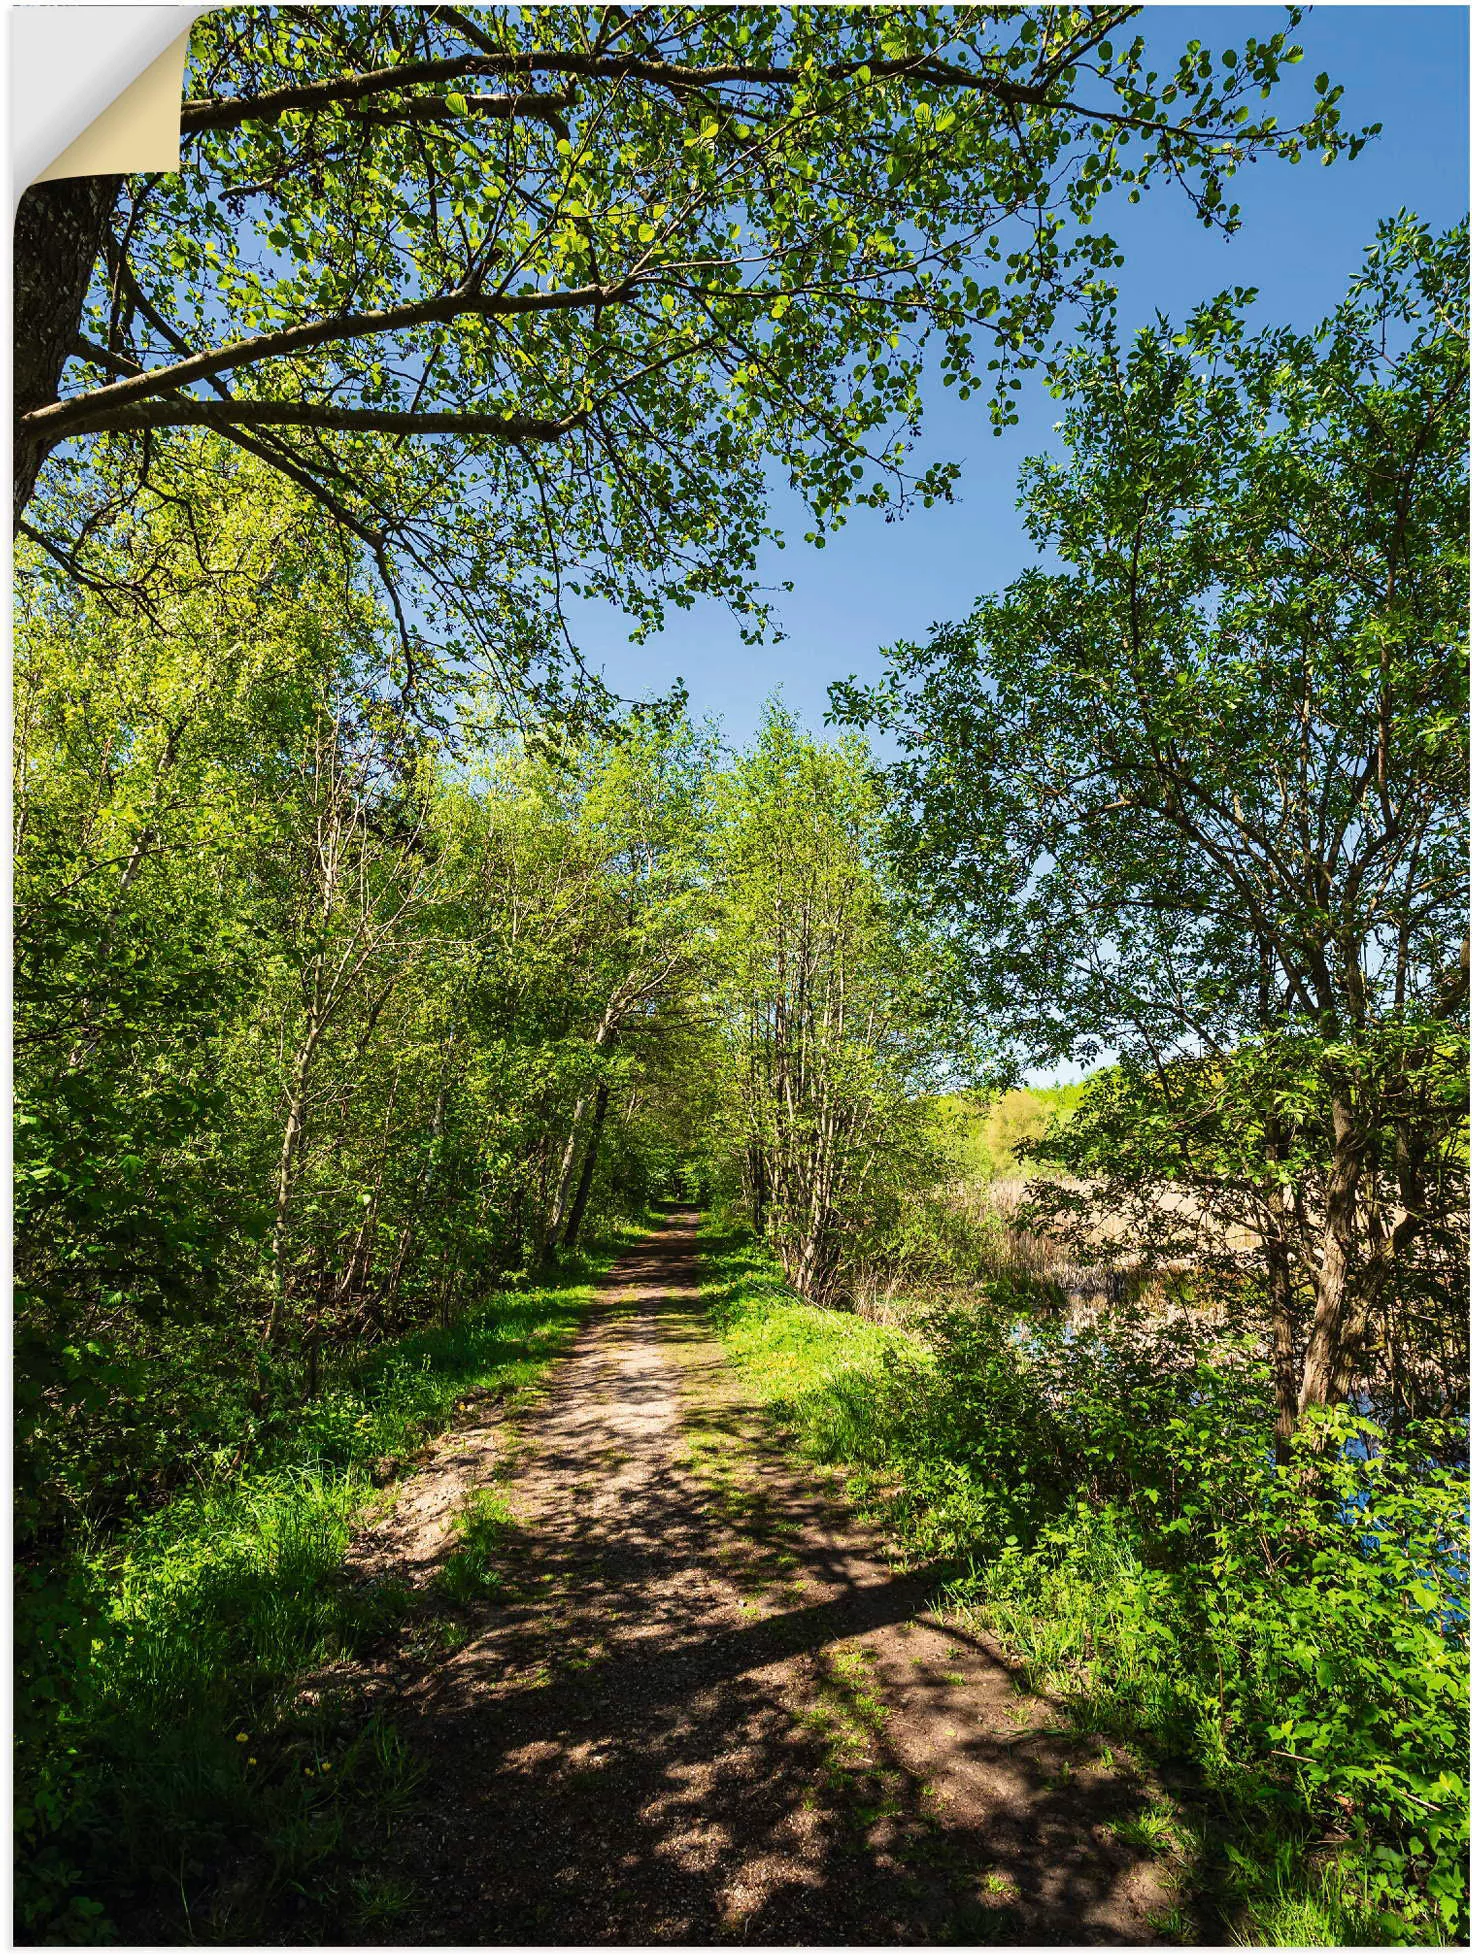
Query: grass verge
x=812, y=1367
x=1112, y=1515
x=173, y=1784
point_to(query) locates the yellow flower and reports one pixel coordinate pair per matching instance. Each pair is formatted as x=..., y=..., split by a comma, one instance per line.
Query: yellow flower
x=309, y=1772
x=242, y=1737
x=250, y=1762
x=325, y=1768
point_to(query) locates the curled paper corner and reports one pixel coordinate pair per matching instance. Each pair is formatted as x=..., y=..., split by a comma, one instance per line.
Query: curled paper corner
x=139, y=131
x=96, y=90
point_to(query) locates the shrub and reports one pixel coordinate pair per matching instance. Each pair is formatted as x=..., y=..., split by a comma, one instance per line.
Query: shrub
x=1109, y=1501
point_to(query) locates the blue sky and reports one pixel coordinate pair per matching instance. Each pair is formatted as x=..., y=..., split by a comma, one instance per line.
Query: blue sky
x=1304, y=229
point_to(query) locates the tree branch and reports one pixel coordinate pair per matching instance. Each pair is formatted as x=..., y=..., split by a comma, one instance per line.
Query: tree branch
x=59, y=419
x=183, y=413
x=104, y=587
x=309, y=96
x=504, y=108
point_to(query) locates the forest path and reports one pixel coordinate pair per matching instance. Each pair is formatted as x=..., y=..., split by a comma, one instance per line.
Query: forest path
x=701, y=1706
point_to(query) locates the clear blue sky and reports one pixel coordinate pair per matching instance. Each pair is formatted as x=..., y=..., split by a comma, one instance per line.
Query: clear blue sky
x=1303, y=231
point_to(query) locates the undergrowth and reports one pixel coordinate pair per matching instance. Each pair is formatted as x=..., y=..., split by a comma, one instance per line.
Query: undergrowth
x=175, y=1780
x=1290, y=1645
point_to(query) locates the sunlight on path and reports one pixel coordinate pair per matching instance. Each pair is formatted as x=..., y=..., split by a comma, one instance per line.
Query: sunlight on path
x=696, y=1703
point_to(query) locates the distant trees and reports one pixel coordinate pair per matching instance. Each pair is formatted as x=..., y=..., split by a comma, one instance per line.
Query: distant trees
x=642, y=828
x=1199, y=795
x=322, y=1029
x=525, y=300
x=833, y=1004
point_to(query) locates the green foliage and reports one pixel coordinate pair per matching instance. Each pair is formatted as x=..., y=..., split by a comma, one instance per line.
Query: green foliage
x=836, y=1009
x=1254, y=531
x=990, y=1137
x=165, y=1745
x=1110, y=1504
x=336, y=1015
x=490, y=254
x=310, y=1018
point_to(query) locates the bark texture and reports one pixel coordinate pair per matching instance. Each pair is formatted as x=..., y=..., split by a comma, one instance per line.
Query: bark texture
x=58, y=234
x=1340, y=1310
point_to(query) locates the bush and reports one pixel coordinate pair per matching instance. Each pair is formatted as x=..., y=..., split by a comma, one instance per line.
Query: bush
x=1110, y=1504
x=161, y=1745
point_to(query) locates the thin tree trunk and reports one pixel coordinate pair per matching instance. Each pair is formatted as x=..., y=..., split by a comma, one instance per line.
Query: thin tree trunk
x=291, y=1141
x=758, y=1164
x=564, y=1173
x=393, y=1285
x=359, y=1262
x=1285, y=1346
x=585, y=1176
x=425, y=1182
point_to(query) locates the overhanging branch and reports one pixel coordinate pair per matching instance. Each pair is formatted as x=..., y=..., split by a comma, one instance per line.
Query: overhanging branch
x=63, y=418
x=309, y=96
x=186, y=414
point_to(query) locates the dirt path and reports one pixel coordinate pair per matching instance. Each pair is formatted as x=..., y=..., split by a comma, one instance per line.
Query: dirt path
x=702, y=1707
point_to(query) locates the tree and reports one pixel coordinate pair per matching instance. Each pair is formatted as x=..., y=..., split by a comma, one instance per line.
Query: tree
x=1200, y=794
x=638, y=832
x=357, y=873
x=529, y=300
x=152, y=760
x=307, y=1015
x=834, y=1000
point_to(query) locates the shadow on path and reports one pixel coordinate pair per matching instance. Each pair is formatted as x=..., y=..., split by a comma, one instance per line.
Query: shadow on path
x=700, y=1707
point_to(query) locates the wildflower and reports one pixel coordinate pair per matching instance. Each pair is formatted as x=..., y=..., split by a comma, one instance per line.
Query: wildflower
x=250, y=1762
x=325, y=1768
x=309, y=1772
x=242, y=1737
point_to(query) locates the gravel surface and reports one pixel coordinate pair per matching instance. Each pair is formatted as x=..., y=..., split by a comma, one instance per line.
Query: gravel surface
x=703, y=1703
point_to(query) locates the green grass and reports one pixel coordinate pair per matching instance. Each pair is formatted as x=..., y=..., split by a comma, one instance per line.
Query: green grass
x=485, y=1530
x=1191, y=1650
x=815, y=1368
x=1288, y=1903
x=174, y=1781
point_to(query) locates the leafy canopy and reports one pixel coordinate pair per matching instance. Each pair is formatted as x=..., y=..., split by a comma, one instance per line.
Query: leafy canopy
x=1209, y=775
x=532, y=300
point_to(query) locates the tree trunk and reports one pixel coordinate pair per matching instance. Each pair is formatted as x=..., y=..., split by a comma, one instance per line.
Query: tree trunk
x=564, y=1173
x=285, y=1177
x=1282, y=1306
x=58, y=235
x=291, y=1142
x=757, y=1175
x=395, y=1280
x=312, y=1343
x=1340, y=1313
x=585, y=1176
x=1285, y=1345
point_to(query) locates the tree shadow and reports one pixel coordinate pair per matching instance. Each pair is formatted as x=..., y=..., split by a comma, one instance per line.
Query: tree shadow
x=612, y=1760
